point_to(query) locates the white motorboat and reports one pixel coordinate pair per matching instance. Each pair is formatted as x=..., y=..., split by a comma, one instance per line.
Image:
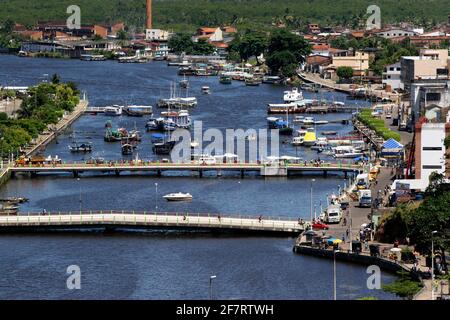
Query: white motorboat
x=292, y=95
x=346, y=152
x=114, y=110
x=206, y=90
x=298, y=141
x=179, y=196
x=308, y=121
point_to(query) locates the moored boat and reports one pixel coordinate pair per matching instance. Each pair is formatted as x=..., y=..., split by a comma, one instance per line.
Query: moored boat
x=179, y=196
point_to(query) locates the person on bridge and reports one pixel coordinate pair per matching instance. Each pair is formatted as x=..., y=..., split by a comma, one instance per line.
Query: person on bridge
x=260, y=218
x=218, y=217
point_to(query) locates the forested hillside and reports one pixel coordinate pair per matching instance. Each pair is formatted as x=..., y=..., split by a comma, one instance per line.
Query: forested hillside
x=182, y=14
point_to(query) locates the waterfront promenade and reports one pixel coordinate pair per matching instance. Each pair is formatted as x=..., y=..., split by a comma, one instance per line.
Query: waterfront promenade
x=149, y=220
x=346, y=88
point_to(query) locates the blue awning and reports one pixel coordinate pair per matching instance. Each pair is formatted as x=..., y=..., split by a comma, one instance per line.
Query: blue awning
x=392, y=144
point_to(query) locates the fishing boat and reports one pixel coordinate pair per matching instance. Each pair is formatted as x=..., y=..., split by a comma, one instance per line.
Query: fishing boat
x=15, y=200
x=271, y=79
x=308, y=121
x=184, y=83
x=252, y=81
x=114, y=110
x=179, y=196
x=280, y=124
x=181, y=118
x=292, y=95
x=320, y=122
x=138, y=111
x=152, y=125
x=329, y=133
x=299, y=119
x=206, y=90
x=320, y=144
x=80, y=147
x=127, y=148
x=163, y=147
x=112, y=135
x=310, y=138
x=225, y=79
x=158, y=138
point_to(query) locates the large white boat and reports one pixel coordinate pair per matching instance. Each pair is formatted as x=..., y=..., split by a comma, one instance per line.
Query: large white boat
x=346, y=152
x=114, y=110
x=293, y=95
x=179, y=196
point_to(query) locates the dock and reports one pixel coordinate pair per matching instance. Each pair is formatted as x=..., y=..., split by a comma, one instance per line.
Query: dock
x=110, y=220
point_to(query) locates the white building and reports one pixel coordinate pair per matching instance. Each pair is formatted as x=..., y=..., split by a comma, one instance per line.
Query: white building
x=391, y=76
x=430, y=98
x=395, y=32
x=156, y=35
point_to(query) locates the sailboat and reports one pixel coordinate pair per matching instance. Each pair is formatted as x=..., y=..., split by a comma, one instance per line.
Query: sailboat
x=285, y=128
x=184, y=83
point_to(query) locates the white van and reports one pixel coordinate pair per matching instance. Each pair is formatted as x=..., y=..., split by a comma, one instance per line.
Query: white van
x=333, y=214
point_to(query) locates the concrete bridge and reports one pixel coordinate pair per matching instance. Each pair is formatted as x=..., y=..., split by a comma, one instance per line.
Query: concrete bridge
x=158, y=168
x=110, y=220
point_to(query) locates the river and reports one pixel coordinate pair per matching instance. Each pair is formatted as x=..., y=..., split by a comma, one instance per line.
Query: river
x=167, y=265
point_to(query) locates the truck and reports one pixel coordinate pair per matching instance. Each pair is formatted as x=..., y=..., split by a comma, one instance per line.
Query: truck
x=362, y=181
x=365, y=198
x=333, y=214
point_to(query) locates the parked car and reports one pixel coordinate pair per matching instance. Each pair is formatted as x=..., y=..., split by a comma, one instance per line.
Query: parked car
x=320, y=226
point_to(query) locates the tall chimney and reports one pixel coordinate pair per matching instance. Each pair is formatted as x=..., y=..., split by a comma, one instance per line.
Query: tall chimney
x=149, y=14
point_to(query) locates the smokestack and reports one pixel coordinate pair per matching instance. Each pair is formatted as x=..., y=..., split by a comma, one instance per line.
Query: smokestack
x=149, y=14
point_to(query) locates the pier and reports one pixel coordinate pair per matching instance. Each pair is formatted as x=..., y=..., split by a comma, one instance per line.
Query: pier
x=110, y=220
x=158, y=168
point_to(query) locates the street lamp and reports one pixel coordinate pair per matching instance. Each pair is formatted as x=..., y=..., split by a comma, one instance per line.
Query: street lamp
x=210, y=287
x=432, y=264
x=311, y=201
x=156, y=198
x=334, y=273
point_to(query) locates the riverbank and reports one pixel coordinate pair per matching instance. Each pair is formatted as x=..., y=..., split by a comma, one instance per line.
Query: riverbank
x=47, y=136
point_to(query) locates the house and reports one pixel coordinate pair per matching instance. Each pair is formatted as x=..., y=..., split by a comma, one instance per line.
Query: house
x=85, y=31
x=430, y=64
x=221, y=48
x=316, y=63
x=209, y=34
x=429, y=41
x=31, y=34
x=391, y=77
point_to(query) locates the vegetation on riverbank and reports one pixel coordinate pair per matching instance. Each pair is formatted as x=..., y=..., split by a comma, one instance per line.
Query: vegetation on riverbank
x=182, y=42
x=405, y=287
x=183, y=15
x=416, y=221
x=44, y=105
x=378, y=125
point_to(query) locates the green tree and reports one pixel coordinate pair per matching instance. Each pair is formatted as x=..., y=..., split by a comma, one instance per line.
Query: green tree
x=55, y=78
x=344, y=72
x=181, y=42
x=252, y=43
x=202, y=47
x=286, y=51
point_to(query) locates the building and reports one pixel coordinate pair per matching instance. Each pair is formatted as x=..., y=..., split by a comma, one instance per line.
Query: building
x=429, y=98
x=394, y=33
x=359, y=62
x=430, y=152
x=392, y=77
x=313, y=28
x=430, y=64
x=209, y=34
x=85, y=31
x=156, y=35
x=316, y=63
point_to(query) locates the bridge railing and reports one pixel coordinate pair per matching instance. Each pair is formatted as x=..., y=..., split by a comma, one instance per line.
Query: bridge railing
x=157, y=213
x=100, y=217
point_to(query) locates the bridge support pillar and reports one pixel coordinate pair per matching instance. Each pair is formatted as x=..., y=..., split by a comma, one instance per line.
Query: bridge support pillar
x=325, y=173
x=242, y=173
x=117, y=172
x=345, y=174
x=75, y=174
x=158, y=173
x=200, y=173
x=33, y=174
